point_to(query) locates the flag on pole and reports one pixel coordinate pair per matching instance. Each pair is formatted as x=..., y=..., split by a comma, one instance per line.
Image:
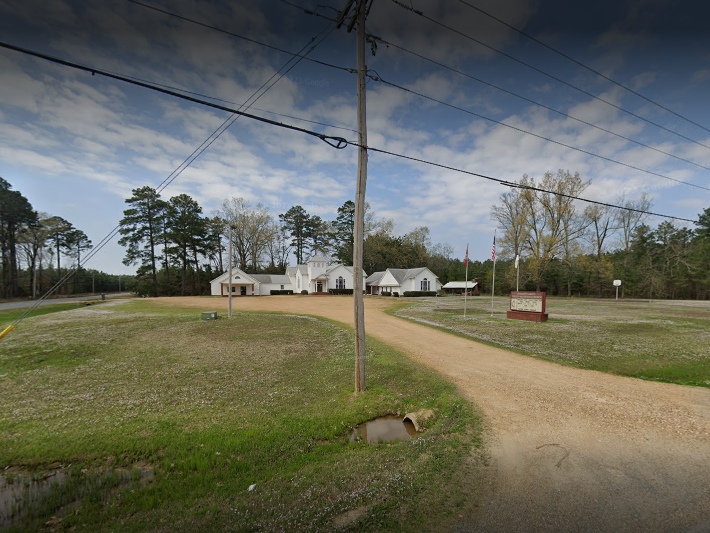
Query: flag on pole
x=465, y=259
x=517, y=258
x=493, y=251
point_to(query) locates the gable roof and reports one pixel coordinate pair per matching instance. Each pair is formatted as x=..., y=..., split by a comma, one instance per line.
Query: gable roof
x=374, y=278
x=400, y=274
x=236, y=273
x=291, y=271
x=278, y=279
x=333, y=267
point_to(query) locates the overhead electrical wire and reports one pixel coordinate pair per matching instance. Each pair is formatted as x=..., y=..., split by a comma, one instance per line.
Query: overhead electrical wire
x=633, y=167
x=529, y=100
x=518, y=185
x=337, y=142
x=238, y=36
x=547, y=74
x=411, y=158
x=179, y=89
x=587, y=67
x=172, y=176
x=246, y=105
x=376, y=77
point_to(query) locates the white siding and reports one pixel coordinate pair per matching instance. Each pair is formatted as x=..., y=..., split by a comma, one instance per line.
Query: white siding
x=266, y=288
x=434, y=283
x=338, y=271
x=389, y=284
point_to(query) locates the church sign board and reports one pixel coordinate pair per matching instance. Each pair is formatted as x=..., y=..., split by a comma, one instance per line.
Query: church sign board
x=528, y=305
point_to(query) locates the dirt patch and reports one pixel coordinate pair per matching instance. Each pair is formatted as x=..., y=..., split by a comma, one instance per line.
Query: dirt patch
x=570, y=449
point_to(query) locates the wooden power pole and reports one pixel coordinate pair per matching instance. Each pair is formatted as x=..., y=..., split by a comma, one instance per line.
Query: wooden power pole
x=359, y=233
x=359, y=229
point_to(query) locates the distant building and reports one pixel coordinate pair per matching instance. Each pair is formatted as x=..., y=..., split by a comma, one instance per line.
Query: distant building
x=458, y=287
x=316, y=277
x=400, y=280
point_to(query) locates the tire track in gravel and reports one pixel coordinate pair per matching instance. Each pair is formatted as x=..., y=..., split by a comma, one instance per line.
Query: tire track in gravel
x=570, y=449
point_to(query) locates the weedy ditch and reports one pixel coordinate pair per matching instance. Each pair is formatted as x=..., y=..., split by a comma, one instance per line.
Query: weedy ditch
x=26, y=499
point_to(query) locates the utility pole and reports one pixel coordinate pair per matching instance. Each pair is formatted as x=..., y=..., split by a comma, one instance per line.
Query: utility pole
x=359, y=304
x=230, y=270
x=359, y=229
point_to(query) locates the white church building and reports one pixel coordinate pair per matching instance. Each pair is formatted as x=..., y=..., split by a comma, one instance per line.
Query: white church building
x=316, y=277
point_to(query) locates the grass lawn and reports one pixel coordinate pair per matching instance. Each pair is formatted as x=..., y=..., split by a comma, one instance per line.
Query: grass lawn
x=134, y=417
x=655, y=340
x=10, y=315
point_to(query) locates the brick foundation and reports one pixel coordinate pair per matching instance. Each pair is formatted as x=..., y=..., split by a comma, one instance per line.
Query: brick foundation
x=527, y=315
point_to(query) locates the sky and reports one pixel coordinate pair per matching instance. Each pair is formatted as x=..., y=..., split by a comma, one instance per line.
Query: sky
x=77, y=144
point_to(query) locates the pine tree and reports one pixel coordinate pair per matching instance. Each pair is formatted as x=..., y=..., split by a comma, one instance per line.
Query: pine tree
x=140, y=227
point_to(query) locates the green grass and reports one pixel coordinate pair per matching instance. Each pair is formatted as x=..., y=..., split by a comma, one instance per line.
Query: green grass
x=158, y=421
x=10, y=315
x=655, y=340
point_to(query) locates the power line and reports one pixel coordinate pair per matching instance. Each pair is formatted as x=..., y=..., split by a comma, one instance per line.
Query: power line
x=233, y=118
x=633, y=167
x=559, y=80
x=376, y=77
x=566, y=56
x=172, y=87
x=226, y=32
x=172, y=176
x=517, y=185
x=562, y=113
x=335, y=142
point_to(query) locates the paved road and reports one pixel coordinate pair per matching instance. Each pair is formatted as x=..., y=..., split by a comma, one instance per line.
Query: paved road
x=30, y=303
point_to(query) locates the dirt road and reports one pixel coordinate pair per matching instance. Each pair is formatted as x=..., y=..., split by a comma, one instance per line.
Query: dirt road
x=571, y=450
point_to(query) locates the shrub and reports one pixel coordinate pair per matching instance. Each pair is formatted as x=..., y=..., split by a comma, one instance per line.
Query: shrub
x=416, y=294
x=340, y=291
x=395, y=294
x=304, y=292
x=280, y=291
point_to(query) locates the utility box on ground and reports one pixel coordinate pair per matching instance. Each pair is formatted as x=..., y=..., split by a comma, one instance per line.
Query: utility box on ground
x=209, y=315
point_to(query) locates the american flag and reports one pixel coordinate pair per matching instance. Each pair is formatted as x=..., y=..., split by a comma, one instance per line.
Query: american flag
x=493, y=251
x=465, y=260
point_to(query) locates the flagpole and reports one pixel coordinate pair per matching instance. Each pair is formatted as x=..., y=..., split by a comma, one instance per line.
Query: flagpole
x=493, y=285
x=465, y=285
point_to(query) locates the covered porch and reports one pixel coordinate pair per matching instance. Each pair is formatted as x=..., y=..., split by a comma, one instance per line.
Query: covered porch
x=238, y=289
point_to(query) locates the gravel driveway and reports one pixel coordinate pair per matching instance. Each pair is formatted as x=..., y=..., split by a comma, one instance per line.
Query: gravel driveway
x=570, y=450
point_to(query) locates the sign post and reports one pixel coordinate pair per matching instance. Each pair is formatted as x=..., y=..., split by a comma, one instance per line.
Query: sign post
x=617, y=283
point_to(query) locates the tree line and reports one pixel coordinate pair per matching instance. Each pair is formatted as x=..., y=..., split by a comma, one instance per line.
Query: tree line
x=567, y=250
x=34, y=244
x=178, y=250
